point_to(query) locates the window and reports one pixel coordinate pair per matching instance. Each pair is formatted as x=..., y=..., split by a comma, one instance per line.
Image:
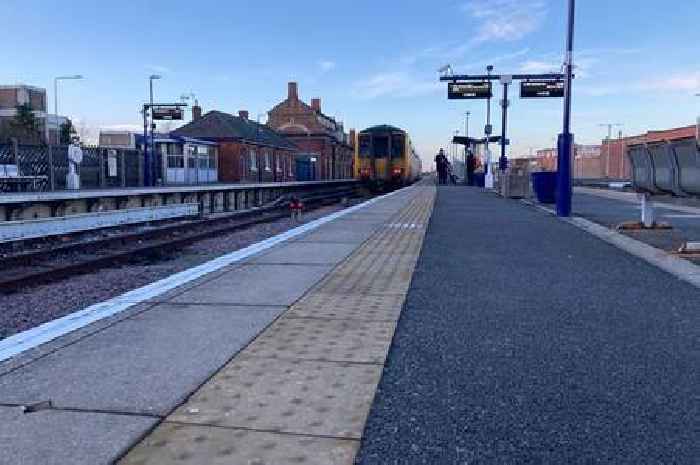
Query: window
x=267, y=161
x=381, y=146
x=397, y=146
x=278, y=168
x=253, y=160
x=365, y=144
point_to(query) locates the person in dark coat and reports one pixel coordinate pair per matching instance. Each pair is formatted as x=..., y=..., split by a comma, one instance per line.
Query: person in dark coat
x=441, y=164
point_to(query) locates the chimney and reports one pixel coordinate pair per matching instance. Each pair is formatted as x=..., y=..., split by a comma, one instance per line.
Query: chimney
x=316, y=104
x=243, y=114
x=196, y=111
x=292, y=91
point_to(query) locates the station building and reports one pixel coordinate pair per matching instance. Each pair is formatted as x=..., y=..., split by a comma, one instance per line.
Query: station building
x=321, y=139
x=248, y=151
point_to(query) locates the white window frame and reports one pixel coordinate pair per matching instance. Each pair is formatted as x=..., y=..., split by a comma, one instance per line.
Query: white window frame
x=267, y=161
x=253, y=159
x=278, y=165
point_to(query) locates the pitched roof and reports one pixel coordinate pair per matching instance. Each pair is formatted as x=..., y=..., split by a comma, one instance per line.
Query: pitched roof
x=217, y=125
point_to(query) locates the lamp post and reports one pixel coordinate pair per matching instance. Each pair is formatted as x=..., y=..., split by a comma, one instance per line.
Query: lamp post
x=467, y=147
x=564, y=185
x=488, y=129
x=55, y=97
x=608, y=139
x=150, y=154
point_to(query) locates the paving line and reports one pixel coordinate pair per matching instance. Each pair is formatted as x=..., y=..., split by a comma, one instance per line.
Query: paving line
x=301, y=392
x=29, y=339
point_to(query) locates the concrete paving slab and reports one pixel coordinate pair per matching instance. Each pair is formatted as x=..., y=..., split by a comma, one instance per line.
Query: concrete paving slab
x=351, y=306
x=197, y=445
x=54, y=437
x=343, y=234
x=323, y=339
x=146, y=364
x=312, y=398
x=258, y=285
x=307, y=253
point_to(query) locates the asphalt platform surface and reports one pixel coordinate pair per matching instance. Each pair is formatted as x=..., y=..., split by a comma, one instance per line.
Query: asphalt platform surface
x=524, y=340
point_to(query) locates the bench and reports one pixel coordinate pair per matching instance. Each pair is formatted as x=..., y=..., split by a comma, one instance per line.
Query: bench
x=11, y=177
x=664, y=168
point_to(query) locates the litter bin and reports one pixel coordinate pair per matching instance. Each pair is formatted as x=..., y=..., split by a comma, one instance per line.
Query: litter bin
x=544, y=183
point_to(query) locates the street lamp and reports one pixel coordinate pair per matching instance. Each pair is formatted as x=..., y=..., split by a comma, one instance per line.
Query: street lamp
x=565, y=143
x=149, y=156
x=609, y=138
x=55, y=96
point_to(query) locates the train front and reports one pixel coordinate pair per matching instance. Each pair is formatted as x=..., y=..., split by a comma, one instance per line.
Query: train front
x=381, y=156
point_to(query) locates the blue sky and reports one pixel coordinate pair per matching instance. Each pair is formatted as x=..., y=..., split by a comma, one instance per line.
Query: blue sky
x=370, y=62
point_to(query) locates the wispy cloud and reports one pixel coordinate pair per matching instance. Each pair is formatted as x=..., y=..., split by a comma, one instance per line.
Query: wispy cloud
x=395, y=84
x=326, y=65
x=158, y=68
x=681, y=82
x=505, y=20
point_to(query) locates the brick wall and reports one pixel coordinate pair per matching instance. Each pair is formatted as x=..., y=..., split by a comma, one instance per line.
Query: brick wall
x=235, y=163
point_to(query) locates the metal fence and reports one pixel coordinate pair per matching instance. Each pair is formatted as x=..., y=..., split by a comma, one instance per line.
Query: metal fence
x=100, y=168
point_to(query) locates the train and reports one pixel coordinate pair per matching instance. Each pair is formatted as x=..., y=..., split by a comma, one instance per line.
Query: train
x=385, y=157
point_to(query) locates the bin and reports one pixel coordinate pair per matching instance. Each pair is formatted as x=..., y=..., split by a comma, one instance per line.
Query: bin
x=544, y=183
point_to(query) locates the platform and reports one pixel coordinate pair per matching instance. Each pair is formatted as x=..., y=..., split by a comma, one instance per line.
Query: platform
x=266, y=360
x=525, y=339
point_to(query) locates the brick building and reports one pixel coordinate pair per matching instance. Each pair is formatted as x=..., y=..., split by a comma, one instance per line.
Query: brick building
x=248, y=151
x=48, y=126
x=315, y=133
x=609, y=160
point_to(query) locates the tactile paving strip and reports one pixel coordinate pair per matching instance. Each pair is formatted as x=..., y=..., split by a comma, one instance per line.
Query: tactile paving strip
x=350, y=306
x=302, y=397
x=327, y=340
x=174, y=443
x=302, y=391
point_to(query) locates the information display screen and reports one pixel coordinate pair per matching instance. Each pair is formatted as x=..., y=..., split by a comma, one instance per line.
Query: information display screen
x=167, y=113
x=541, y=89
x=469, y=90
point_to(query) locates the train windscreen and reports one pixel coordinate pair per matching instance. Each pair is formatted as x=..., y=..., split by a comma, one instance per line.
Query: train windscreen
x=381, y=146
x=397, y=145
x=365, y=145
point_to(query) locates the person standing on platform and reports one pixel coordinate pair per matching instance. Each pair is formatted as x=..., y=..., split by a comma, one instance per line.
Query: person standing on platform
x=441, y=166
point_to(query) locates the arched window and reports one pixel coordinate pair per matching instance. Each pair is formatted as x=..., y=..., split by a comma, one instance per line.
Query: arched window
x=253, y=160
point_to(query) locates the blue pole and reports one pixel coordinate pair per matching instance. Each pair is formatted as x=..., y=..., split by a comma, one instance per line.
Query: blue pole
x=565, y=142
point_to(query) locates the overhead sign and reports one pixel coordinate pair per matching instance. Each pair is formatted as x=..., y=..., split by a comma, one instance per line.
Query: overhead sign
x=167, y=113
x=469, y=90
x=542, y=88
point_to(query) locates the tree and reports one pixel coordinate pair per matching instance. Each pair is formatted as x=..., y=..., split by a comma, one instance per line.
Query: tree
x=67, y=132
x=25, y=125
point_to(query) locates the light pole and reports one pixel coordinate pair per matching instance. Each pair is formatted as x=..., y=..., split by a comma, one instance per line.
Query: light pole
x=564, y=185
x=608, y=139
x=488, y=129
x=150, y=154
x=55, y=97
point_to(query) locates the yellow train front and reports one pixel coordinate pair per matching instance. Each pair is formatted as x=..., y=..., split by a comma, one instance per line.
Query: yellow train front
x=385, y=157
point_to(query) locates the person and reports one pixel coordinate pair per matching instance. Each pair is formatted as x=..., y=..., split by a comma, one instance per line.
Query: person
x=441, y=164
x=471, y=167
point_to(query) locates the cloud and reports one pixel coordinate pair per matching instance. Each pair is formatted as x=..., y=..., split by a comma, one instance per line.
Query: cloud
x=505, y=20
x=537, y=66
x=395, y=84
x=326, y=65
x=679, y=82
x=123, y=127
x=158, y=68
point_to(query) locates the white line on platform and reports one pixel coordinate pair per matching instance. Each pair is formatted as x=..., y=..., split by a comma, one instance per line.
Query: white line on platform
x=51, y=330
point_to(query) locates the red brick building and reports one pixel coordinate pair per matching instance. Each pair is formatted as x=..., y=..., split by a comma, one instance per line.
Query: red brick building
x=315, y=133
x=248, y=151
x=611, y=161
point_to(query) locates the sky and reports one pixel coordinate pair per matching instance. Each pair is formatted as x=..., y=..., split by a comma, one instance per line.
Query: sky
x=637, y=61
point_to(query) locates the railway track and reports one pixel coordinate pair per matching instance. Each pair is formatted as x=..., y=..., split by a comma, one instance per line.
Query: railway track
x=36, y=267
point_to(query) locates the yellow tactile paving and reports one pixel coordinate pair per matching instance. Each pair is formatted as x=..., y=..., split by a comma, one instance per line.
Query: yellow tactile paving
x=301, y=392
